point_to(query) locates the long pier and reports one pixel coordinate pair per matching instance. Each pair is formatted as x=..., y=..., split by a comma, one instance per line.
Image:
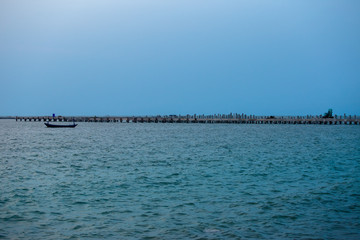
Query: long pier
x=210, y=119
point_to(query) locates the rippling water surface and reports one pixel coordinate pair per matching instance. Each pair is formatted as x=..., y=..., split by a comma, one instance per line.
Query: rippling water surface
x=179, y=181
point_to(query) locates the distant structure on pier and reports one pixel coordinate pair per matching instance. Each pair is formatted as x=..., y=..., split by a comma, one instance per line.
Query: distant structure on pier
x=328, y=114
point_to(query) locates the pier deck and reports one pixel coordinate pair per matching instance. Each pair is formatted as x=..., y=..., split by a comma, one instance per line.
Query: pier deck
x=239, y=119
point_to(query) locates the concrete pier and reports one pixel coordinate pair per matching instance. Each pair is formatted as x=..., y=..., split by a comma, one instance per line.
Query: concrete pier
x=201, y=119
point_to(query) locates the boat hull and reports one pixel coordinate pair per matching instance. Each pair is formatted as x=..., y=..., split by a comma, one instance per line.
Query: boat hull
x=60, y=126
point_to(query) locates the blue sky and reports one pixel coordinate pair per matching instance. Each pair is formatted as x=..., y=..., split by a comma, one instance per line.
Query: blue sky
x=140, y=57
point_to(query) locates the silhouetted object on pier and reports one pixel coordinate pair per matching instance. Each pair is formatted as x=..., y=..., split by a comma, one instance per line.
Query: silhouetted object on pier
x=328, y=114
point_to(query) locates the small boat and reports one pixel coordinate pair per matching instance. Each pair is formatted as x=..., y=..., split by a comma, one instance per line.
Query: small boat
x=60, y=126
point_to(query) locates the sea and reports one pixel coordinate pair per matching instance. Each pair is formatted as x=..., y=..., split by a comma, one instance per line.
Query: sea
x=179, y=181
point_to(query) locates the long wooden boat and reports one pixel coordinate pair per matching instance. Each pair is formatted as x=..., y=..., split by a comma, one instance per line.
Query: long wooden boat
x=60, y=126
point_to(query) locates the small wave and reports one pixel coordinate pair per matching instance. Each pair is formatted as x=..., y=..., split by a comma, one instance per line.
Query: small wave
x=172, y=175
x=291, y=217
x=211, y=230
x=13, y=218
x=124, y=185
x=80, y=203
x=77, y=227
x=38, y=212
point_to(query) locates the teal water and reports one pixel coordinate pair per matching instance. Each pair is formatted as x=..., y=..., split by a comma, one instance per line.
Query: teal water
x=179, y=181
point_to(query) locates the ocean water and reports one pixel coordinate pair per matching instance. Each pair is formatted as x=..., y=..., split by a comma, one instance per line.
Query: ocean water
x=179, y=181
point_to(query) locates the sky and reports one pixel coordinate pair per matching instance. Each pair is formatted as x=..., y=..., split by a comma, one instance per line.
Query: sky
x=141, y=57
